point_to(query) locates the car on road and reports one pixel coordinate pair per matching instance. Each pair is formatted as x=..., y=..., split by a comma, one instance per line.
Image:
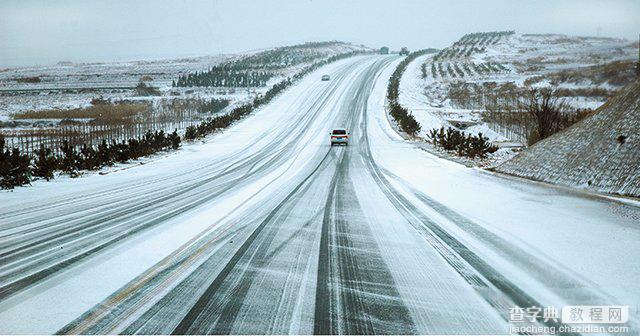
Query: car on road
x=325, y=77
x=339, y=136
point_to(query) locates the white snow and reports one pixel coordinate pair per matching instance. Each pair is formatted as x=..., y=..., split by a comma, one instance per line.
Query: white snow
x=49, y=306
x=564, y=246
x=559, y=246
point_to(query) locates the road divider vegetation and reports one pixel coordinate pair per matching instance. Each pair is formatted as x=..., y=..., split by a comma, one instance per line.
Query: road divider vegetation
x=402, y=116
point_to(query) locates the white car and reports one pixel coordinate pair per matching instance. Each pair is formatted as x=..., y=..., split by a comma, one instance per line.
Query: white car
x=339, y=136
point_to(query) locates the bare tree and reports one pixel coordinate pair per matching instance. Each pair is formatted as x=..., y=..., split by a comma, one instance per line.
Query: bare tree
x=547, y=112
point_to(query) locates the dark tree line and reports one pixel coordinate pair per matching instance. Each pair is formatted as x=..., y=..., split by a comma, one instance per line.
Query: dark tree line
x=222, y=76
x=18, y=169
x=401, y=115
x=284, y=57
x=256, y=70
x=213, y=105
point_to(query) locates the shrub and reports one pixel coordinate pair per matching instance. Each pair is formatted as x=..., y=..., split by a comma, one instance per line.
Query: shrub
x=88, y=159
x=405, y=119
x=464, y=145
x=14, y=167
x=70, y=158
x=175, y=139
x=190, y=133
x=45, y=163
x=143, y=89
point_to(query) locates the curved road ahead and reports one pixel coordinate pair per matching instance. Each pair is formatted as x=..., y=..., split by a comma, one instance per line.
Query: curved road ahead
x=265, y=228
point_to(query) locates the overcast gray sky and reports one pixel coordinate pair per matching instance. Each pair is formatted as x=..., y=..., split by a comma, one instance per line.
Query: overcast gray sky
x=45, y=32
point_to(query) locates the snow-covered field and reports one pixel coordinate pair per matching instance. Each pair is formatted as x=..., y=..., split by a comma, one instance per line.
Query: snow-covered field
x=70, y=85
x=265, y=228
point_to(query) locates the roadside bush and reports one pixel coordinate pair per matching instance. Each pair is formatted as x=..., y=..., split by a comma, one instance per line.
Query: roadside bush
x=14, y=167
x=105, y=154
x=190, y=133
x=405, y=119
x=175, y=140
x=45, y=163
x=70, y=158
x=88, y=158
x=465, y=145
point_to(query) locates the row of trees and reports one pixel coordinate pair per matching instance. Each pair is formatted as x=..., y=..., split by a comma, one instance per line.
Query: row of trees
x=464, y=145
x=18, y=168
x=255, y=70
x=221, y=76
x=287, y=56
x=471, y=44
x=461, y=69
x=213, y=105
x=484, y=38
x=401, y=115
x=538, y=113
x=531, y=113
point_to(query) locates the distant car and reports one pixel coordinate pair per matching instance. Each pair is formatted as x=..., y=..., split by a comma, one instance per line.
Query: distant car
x=339, y=136
x=326, y=77
x=384, y=50
x=404, y=51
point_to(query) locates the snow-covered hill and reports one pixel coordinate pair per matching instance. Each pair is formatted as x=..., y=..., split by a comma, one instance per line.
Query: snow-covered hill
x=587, y=69
x=601, y=153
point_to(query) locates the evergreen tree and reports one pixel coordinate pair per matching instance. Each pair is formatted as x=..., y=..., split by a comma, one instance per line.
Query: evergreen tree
x=14, y=167
x=88, y=159
x=70, y=158
x=175, y=139
x=45, y=163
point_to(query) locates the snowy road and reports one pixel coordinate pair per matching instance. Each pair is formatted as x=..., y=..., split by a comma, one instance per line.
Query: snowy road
x=267, y=229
